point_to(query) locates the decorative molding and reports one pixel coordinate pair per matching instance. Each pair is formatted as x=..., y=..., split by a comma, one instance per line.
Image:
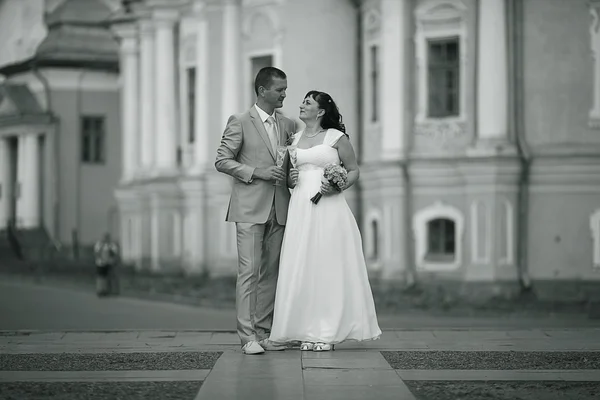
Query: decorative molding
x=420, y=220
x=508, y=214
x=484, y=233
x=444, y=131
x=165, y=17
x=258, y=3
x=595, y=228
x=371, y=20
x=594, y=113
x=270, y=13
x=437, y=19
x=69, y=79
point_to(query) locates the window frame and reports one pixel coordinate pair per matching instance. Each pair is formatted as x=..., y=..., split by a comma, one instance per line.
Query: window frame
x=441, y=254
x=420, y=222
x=440, y=20
x=374, y=81
x=93, y=159
x=441, y=69
x=191, y=99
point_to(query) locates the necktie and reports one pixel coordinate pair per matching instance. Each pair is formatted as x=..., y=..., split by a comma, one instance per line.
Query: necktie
x=272, y=132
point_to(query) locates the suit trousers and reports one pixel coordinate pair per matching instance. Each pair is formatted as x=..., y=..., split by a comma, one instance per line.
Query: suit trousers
x=259, y=247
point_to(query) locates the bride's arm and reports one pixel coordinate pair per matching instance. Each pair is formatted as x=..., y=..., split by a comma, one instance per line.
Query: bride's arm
x=348, y=158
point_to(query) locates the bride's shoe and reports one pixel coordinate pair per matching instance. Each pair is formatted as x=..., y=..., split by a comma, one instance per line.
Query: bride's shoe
x=307, y=346
x=323, y=347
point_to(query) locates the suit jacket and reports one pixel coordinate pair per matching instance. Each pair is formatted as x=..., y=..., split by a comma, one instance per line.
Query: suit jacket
x=245, y=146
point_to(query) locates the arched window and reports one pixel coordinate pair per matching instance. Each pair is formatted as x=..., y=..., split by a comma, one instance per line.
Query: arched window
x=441, y=245
x=439, y=229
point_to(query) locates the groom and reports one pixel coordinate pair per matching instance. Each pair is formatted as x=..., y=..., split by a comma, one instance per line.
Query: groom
x=258, y=207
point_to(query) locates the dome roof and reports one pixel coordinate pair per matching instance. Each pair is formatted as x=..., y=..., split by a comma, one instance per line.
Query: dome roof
x=86, y=12
x=78, y=32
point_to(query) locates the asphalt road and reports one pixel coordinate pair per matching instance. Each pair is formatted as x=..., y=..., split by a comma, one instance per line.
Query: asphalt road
x=29, y=306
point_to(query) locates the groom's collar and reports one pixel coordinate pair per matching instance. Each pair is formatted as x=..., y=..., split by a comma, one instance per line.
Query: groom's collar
x=263, y=115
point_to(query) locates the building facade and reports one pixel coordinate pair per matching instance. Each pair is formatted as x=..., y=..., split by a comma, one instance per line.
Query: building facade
x=475, y=123
x=60, y=151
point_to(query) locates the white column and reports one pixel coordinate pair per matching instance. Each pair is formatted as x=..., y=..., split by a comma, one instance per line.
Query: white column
x=129, y=63
x=147, y=82
x=231, y=59
x=201, y=151
x=393, y=70
x=594, y=114
x=165, y=85
x=492, y=85
x=5, y=194
x=28, y=203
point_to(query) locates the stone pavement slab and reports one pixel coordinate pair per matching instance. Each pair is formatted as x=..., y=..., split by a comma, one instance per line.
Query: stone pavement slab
x=347, y=360
x=400, y=392
x=276, y=375
x=100, y=376
x=498, y=375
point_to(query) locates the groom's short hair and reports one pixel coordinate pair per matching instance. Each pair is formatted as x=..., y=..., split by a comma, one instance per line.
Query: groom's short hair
x=265, y=77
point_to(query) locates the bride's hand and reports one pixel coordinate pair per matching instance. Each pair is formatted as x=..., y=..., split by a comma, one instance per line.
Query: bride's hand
x=294, y=175
x=326, y=188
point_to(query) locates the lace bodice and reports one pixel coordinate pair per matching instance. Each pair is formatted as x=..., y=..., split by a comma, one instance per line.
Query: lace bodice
x=318, y=156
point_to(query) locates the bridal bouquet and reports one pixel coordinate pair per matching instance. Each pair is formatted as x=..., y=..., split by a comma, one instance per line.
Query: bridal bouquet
x=337, y=177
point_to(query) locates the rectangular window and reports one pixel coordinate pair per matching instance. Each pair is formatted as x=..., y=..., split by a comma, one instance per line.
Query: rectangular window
x=443, y=78
x=191, y=94
x=374, y=83
x=93, y=140
x=257, y=63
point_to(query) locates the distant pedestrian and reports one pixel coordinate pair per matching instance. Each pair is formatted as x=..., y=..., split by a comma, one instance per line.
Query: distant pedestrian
x=106, y=254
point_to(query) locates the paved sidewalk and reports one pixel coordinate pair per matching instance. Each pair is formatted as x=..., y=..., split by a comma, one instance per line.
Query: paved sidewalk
x=209, y=365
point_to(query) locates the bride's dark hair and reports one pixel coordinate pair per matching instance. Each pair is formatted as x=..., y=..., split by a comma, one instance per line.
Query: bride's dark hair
x=332, y=117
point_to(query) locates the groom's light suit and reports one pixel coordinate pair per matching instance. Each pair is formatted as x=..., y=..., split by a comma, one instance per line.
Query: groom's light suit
x=259, y=209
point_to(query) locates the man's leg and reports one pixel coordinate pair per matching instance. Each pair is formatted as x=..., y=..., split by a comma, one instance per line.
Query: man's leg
x=267, y=279
x=249, y=243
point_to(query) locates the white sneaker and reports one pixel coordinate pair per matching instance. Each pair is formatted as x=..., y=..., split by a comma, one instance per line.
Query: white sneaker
x=269, y=345
x=252, y=347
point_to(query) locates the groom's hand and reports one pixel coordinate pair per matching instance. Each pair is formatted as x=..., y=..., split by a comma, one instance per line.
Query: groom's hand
x=272, y=173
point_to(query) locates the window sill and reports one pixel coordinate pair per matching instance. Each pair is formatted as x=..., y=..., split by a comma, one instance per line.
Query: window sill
x=437, y=266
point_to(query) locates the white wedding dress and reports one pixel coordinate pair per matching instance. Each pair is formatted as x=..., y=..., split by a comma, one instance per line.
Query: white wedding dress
x=323, y=292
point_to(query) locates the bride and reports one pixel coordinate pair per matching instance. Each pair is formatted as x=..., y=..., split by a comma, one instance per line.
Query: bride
x=323, y=294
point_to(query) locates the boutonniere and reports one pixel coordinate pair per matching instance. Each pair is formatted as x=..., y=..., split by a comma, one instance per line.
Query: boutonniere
x=290, y=138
